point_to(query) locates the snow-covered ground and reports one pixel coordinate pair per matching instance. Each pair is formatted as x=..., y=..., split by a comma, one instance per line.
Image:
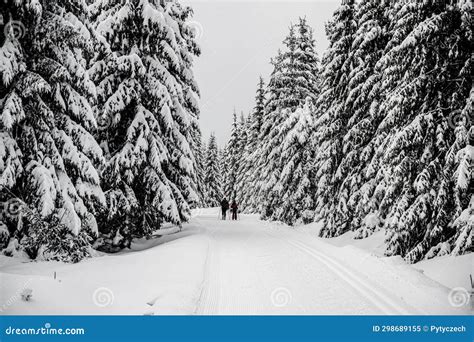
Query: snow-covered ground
x=242, y=267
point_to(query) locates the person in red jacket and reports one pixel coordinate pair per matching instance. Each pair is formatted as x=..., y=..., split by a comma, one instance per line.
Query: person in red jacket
x=234, y=208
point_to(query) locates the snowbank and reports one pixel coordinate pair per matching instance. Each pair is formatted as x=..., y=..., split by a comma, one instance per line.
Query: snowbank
x=449, y=271
x=143, y=281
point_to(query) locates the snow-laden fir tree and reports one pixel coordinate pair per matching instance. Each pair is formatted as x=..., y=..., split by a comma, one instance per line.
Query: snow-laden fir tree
x=463, y=145
x=337, y=65
x=294, y=78
x=297, y=189
x=223, y=168
x=148, y=105
x=212, y=176
x=48, y=156
x=462, y=240
x=243, y=157
x=232, y=162
x=199, y=152
x=305, y=63
x=267, y=162
x=402, y=158
x=426, y=82
x=356, y=183
x=249, y=195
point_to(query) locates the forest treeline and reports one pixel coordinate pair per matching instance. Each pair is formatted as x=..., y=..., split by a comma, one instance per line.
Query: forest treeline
x=378, y=134
x=98, y=126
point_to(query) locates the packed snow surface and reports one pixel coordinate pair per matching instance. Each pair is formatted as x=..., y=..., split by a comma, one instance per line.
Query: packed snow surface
x=230, y=267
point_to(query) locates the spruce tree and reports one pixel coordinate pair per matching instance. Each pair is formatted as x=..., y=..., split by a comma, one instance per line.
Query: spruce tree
x=297, y=189
x=148, y=107
x=242, y=157
x=401, y=163
x=48, y=155
x=362, y=102
x=333, y=116
x=224, y=171
x=294, y=78
x=199, y=152
x=249, y=198
x=431, y=85
x=213, y=178
x=232, y=152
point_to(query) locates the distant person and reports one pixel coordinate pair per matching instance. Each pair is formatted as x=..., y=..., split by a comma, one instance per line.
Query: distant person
x=234, y=208
x=224, y=207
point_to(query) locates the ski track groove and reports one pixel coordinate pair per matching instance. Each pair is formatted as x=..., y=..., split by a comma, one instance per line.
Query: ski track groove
x=240, y=246
x=364, y=287
x=208, y=303
x=379, y=300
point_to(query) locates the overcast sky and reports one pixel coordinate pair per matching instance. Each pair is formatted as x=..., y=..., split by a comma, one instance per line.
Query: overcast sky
x=237, y=39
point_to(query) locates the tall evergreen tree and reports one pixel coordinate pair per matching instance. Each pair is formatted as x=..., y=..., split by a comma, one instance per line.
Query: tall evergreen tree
x=363, y=98
x=306, y=63
x=232, y=152
x=297, y=189
x=199, y=152
x=242, y=157
x=224, y=171
x=213, y=179
x=401, y=163
x=293, y=79
x=48, y=157
x=249, y=194
x=416, y=201
x=337, y=65
x=147, y=101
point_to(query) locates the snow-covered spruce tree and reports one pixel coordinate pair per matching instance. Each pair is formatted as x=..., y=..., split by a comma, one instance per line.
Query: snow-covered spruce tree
x=224, y=172
x=297, y=188
x=425, y=82
x=306, y=63
x=462, y=240
x=213, y=179
x=337, y=64
x=243, y=157
x=147, y=104
x=199, y=152
x=267, y=166
x=203, y=168
x=249, y=194
x=232, y=151
x=293, y=79
x=403, y=168
x=355, y=183
x=463, y=145
x=48, y=157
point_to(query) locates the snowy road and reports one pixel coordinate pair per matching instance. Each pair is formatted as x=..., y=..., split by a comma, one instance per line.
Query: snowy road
x=215, y=267
x=253, y=268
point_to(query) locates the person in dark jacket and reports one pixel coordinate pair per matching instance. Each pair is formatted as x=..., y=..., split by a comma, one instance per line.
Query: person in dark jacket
x=224, y=207
x=235, y=209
